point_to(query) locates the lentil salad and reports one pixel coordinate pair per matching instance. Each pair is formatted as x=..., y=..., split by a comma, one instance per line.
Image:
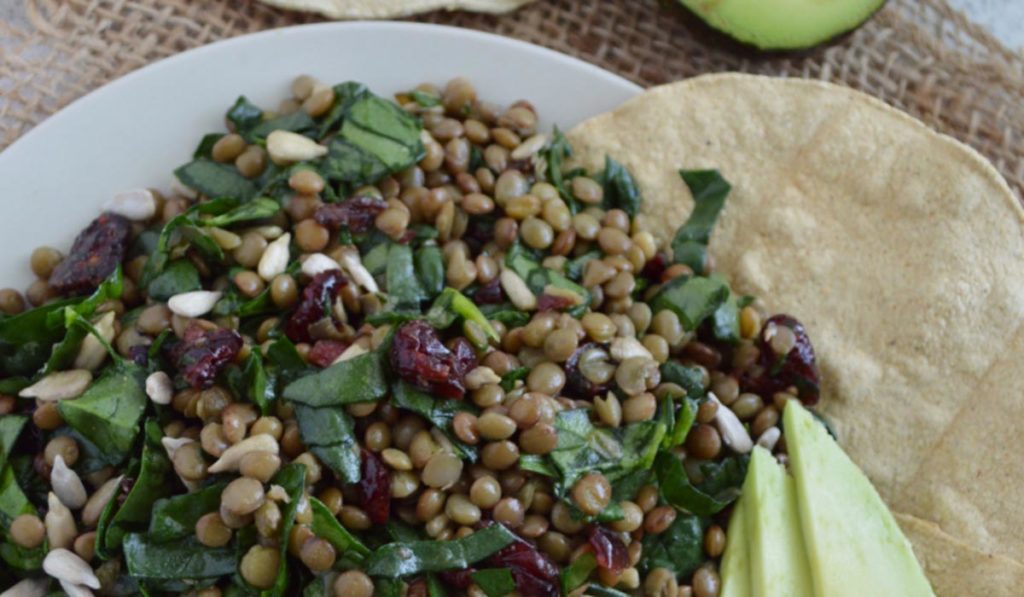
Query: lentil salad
x=380, y=347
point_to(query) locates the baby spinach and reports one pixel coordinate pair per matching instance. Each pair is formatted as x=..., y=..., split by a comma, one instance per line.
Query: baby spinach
x=596, y=590
x=554, y=155
x=686, y=377
x=615, y=452
x=574, y=268
x=327, y=527
x=345, y=94
x=538, y=278
x=725, y=321
x=108, y=413
x=424, y=99
x=292, y=477
x=329, y=433
x=10, y=429
x=205, y=147
x=430, y=269
x=508, y=381
x=415, y=557
x=439, y=412
x=215, y=180
x=577, y=573
x=680, y=548
x=620, y=190
x=244, y=114
x=678, y=491
x=404, y=288
x=13, y=502
x=26, y=339
x=183, y=227
x=495, y=582
x=505, y=313
x=452, y=304
x=184, y=560
x=257, y=209
x=693, y=299
x=360, y=379
x=179, y=276
x=347, y=163
x=537, y=464
x=295, y=122
x=709, y=190
x=283, y=361
x=176, y=517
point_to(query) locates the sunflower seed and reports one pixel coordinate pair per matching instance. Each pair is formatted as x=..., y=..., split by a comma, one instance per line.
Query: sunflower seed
x=67, y=566
x=67, y=485
x=268, y=232
x=225, y=239
x=351, y=352
x=517, y=290
x=135, y=204
x=195, y=303
x=62, y=385
x=286, y=147
x=73, y=590
x=30, y=587
x=274, y=260
x=159, y=388
x=769, y=438
x=278, y=494
x=60, y=523
x=92, y=353
x=734, y=434
x=98, y=501
x=529, y=147
x=229, y=460
x=318, y=263
x=354, y=266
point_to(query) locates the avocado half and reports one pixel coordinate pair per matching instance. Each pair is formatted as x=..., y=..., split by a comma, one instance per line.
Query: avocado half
x=783, y=24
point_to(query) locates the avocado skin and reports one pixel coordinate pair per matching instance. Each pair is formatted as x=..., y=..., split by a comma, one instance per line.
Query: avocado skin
x=751, y=31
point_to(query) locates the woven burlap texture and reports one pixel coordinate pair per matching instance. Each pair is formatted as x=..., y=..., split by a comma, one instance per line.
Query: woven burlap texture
x=918, y=55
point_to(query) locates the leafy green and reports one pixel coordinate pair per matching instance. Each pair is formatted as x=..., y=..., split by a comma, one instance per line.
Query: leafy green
x=10, y=428
x=404, y=288
x=108, y=413
x=683, y=421
x=179, y=276
x=679, y=492
x=345, y=94
x=495, y=582
x=554, y=155
x=538, y=278
x=64, y=353
x=283, y=362
x=574, y=268
x=693, y=299
x=430, y=269
x=295, y=122
x=383, y=130
x=359, y=379
x=414, y=557
x=13, y=502
x=725, y=321
x=257, y=209
x=424, y=99
x=184, y=559
x=252, y=381
x=577, y=573
x=680, y=548
x=176, y=517
x=150, y=485
x=327, y=527
x=537, y=464
x=620, y=190
x=438, y=411
x=329, y=433
x=346, y=162
x=27, y=338
x=615, y=452
x=292, y=477
x=709, y=190
x=244, y=114
x=215, y=180
x=596, y=590
x=452, y=304
x=183, y=227
x=686, y=377
x=508, y=381
x=205, y=147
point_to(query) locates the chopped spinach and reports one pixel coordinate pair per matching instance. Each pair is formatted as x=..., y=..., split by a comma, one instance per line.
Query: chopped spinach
x=424, y=99
x=327, y=527
x=329, y=433
x=345, y=94
x=296, y=122
x=554, y=155
x=680, y=548
x=205, y=147
x=430, y=269
x=452, y=304
x=537, y=464
x=620, y=190
x=176, y=517
x=404, y=288
x=686, y=377
x=440, y=412
x=415, y=557
x=244, y=114
x=693, y=299
x=508, y=381
x=725, y=321
x=185, y=560
x=215, y=180
x=577, y=573
x=359, y=379
x=257, y=209
x=179, y=276
x=678, y=491
x=108, y=413
x=495, y=582
x=709, y=190
x=292, y=477
x=26, y=339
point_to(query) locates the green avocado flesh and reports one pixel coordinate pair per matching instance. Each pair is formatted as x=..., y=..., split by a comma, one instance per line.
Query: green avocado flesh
x=783, y=24
x=778, y=561
x=855, y=546
x=735, y=570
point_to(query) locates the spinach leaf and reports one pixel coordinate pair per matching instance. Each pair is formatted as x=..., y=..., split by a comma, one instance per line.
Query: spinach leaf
x=21, y=558
x=345, y=94
x=430, y=269
x=452, y=304
x=10, y=429
x=693, y=299
x=383, y=130
x=688, y=378
x=181, y=227
x=178, y=277
x=495, y=582
x=680, y=548
x=679, y=492
x=176, y=517
x=683, y=421
x=296, y=122
x=347, y=163
x=108, y=413
x=257, y=209
x=329, y=433
x=252, y=381
x=424, y=99
x=403, y=287
x=709, y=190
x=538, y=278
x=615, y=452
x=620, y=190
x=292, y=477
x=596, y=590
x=150, y=485
x=359, y=379
x=13, y=502
x=537, y=464
x=725, y=321
x=414, y=557
x=184, y=559
x=574, y=268
x=577, y=573
x=244, y=115
x=554, y=155
x=438, y=412
x=508, y=381
x=205, y=148
x=505, y=313
x=327, y=527
x=215, y=180
x=283, y=361
x=26, y=339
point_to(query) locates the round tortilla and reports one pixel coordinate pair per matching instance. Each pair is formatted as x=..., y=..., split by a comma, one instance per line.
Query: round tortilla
x=900, y=249
x=386, y=9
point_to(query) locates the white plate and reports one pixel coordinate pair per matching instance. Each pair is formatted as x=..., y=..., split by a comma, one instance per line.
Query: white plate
x=136, y=130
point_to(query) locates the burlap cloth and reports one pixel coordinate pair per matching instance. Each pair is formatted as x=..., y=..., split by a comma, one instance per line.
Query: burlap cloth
x=919, y=55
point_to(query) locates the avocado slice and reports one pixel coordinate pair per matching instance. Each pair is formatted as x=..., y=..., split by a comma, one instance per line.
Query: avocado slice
x=783, y=24
x=854, y=545
x=735, y=568
x=778, y=561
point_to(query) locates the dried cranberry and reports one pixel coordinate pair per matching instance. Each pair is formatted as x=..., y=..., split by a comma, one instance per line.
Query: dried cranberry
x=375, y=488
x=139, y=354
x=551, y=302
x=489, y=294
x=324, y=352
x=95, y=254
x=317, y=301
x=417, y=588
x=576, y=385
x=654, y=267
x=609, y=550
x=457, y=579
x=202, y=354
x=534, y=573
x=778, y=372
x=419, y=357
x=479, y=232
x=357, y=213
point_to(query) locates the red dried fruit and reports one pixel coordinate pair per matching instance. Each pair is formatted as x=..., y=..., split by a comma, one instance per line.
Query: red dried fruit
x=654, y=268
x=317, y=302
x=202, y=354
x=357, y=213
x=609, y=550
x=417, y=588
x=576, y=384
x=534, y=573
x=375, y=488
x=550, y=302
x=324, y=352
x=95, y=255
x=419, y=357
x=796, y=368
x=457, y=579
x=489, y=294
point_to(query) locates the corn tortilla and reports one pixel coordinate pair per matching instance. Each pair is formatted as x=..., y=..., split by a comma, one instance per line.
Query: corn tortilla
x=902, y=252
x=386, y=9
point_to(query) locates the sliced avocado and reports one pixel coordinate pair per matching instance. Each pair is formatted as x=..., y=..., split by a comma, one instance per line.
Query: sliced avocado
x=778, y=561
x=783, y=24
x=854, y=545
x=735, y=568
